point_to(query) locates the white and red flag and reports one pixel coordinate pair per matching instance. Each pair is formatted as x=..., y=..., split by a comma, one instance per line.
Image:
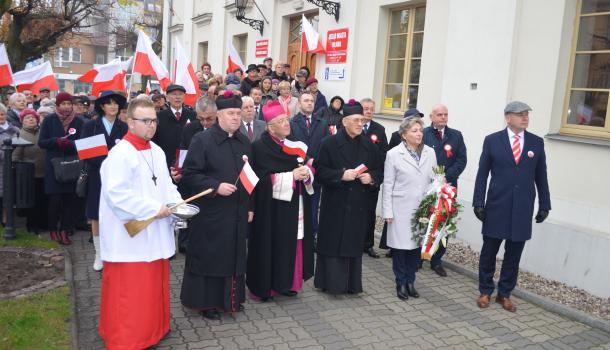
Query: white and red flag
x=91, y=147
x=148, y=63
x=310, y=39
x=148, y=89
x=109, y=76
x=247, y=176
x=361, y=169
x=184, y=75
x=35, y=78
x=6, y=74
x=295, y=148
x=234, y=60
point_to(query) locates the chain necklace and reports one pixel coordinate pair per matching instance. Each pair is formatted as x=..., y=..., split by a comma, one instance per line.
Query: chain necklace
x=152, y=169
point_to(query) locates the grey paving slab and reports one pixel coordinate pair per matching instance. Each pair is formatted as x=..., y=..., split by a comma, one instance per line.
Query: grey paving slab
x=445, y=317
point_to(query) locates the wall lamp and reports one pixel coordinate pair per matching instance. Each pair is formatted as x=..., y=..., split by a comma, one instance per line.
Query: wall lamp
x=331, y=7
x=240, y=16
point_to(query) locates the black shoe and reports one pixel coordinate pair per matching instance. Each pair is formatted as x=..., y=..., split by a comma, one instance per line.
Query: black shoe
x=402, y=293
x=182, y=249
x=289, y=293
x=412, y=291
x=372, y=253
x=211, y=314
x=420, y=265
x=439, y=270
x=388, y=254
x=240, y=308
x=266, y=299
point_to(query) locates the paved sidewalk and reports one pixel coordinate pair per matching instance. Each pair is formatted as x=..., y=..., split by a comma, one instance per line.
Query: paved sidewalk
x=444, y=317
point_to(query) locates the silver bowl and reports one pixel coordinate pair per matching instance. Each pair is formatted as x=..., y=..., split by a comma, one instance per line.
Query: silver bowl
x=184, y=211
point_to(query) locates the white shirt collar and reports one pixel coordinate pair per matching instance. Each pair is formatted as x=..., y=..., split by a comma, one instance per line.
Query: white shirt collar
x=511, y=134
x=246, y=123
x=176, y=110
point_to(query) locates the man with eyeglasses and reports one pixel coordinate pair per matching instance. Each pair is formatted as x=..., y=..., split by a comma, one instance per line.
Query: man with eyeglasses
x=450, y=149
x=348, y=166
x=172, y=121
x=135, y=284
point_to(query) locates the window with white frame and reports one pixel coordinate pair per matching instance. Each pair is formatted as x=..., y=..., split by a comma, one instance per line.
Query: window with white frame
x=240, y=42
x=66, y=55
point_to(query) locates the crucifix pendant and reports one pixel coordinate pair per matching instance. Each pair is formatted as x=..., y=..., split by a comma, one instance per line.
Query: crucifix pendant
x=154, y=178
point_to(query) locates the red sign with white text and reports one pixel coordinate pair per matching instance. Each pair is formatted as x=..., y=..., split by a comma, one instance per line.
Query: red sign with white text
x=262, y=48
x=336, y=45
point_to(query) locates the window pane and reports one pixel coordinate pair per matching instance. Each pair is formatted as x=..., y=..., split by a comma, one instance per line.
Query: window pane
x=588, y=108
x=65, y=54
x=413, y=96
x=594, y=33
x=398, y=46
x=589, y=6
x=75, y=54
x=395, y=71
x=592, y=71
x=418, y=41
x=392, y=96
x=420, y=15
x=414, y=74
x=400, y=22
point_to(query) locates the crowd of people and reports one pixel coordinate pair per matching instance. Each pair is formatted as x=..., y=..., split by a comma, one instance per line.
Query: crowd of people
x=311, y=214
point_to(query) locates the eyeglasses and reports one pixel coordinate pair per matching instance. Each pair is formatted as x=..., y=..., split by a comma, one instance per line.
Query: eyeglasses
x=147, y=122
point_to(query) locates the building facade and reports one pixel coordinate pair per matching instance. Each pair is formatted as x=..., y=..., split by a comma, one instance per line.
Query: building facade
x=474, y=56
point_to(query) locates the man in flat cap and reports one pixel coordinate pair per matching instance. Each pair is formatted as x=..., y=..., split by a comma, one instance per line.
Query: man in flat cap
x=252, y=79
x=214, y=278
x=517, y=162
x=311, y=86
x=45, y=92
x=172, y=122
x=349, y=166
x=299, y=83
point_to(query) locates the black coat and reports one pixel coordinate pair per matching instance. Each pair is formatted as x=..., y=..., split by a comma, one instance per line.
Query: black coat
x=94, y=183
x=217, y=242
x=376, y=133
x=455, y=164
x=169, y=131
x=50, y=130
x=272, y=244
x=311, y=137
x=333, y=116
x=247, y=85
x=13, y=118
x=343, y=208
x=394, y=140
x=187, y=134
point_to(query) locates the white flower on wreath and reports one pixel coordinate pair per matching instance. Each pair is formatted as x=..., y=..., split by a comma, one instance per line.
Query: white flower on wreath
x=424, y=220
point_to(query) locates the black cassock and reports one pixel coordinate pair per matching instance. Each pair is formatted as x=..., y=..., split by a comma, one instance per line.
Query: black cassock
x=216, y=253
x=343, y=210
x=273, y=241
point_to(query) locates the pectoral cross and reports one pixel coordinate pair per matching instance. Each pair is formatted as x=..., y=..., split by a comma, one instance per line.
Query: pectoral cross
x=154, y=178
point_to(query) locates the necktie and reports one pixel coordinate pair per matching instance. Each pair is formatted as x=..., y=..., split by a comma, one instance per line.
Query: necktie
x=250, y=132
x=366, y=129
x=256, y=111
x=517, y=149
x=439, y=134
x=178, y=114
x=308, y=123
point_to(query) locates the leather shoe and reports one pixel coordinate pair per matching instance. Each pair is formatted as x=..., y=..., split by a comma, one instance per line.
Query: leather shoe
x=401, y=292
x=439, y=270
x=419, y=265
x=212, y=314
x=483, y=301
x=412, y=291
x=388, y=254
x=506, y=303
x=372, y=253
x=289, y=293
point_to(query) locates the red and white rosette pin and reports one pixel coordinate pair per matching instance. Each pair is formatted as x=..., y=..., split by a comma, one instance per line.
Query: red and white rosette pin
x=332, y=129
x=374, y=138
x=530, y=154
x=448, y=150
x=71, y=131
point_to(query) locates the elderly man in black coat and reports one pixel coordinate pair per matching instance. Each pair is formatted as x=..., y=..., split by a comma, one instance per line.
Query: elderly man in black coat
x=348, y=166
x=171, y=122
x=216, y=253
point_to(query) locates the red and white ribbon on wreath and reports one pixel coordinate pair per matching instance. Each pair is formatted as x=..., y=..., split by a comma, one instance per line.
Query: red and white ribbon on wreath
x=448, y=150
x=436, y=226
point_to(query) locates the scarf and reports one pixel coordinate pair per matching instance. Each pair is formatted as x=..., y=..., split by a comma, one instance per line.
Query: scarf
x=285, y=103
x=66, y=118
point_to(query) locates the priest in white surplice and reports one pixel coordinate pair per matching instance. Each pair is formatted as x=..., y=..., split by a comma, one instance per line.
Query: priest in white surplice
x=136, y=185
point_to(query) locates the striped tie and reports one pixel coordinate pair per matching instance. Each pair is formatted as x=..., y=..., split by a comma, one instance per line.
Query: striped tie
x=517, y=149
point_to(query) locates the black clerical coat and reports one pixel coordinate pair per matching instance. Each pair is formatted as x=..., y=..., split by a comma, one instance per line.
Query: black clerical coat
x=217, y=243
x=273, y=240
x=344, y=204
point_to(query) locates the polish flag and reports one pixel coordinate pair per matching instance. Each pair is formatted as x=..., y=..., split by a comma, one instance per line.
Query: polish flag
x=184, y=75
x=247, y=176
x=234, y=60
x=148, y=63
x=6, y=74
x=295, y=148
x=180, y=157
x=35, y=78
x=109, y=76
x=310, y=39
x=148, y=87
x=91, y=147
x=361, y=169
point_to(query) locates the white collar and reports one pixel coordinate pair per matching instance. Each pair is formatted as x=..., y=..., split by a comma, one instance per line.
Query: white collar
x=176, y=110
x=246, y=123
x=511, y=134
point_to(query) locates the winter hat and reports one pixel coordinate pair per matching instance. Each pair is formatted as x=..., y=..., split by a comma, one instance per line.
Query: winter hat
x=62, y=97
x=29, y=111
x=352, y=107
x=228, y=100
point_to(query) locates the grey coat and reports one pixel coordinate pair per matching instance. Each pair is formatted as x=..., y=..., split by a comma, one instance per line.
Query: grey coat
x=404, y=185
x=258, y=127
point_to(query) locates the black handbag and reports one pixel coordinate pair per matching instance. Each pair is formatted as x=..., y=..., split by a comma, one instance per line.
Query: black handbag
x=66, y=169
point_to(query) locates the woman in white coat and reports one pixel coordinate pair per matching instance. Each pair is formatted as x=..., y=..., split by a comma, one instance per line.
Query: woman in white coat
x=407, y=174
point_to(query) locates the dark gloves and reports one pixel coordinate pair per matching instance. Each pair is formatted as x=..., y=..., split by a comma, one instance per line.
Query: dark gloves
x=62, y=142
x=541, y=216
x=480, y=213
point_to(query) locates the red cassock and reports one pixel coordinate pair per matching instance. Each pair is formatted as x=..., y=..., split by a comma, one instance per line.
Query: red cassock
x=134, y=311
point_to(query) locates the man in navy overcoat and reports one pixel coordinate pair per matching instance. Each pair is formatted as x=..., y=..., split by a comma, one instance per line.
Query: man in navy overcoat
x=517, y=163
